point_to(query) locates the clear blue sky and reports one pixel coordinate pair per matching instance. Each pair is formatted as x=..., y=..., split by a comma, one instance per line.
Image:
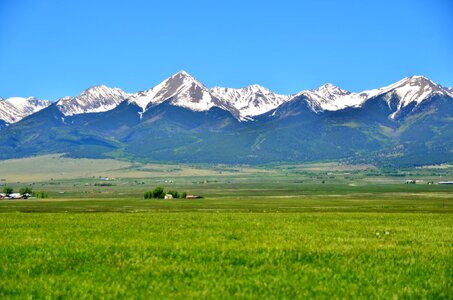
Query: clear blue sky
x=53, y=48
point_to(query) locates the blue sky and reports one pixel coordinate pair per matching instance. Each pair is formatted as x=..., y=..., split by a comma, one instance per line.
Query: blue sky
x=53, y=48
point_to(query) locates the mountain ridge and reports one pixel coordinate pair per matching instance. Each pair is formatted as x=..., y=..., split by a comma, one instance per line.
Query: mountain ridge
x=99, y=98
x=251, y=100
x=181, y=120
x=246, y=103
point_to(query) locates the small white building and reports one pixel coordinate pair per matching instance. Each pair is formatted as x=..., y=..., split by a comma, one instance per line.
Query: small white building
x=168, y=196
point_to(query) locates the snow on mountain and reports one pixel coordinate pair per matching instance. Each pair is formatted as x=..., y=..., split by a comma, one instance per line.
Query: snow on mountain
x=408, y=90
x=411, y=89
x=15, y=109
x=185, y=91
x=8, y=112
x=330, y=97
x=252, y=100
x=28, y=106
x=181, y=90
x=95, y=99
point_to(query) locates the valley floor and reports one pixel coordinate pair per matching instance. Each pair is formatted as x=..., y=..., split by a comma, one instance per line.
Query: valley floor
x=270, y=232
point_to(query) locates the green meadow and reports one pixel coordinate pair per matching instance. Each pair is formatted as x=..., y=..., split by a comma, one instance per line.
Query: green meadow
x=324, y=230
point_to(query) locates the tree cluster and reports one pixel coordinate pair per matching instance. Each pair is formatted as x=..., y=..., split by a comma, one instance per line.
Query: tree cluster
x=26, y=190
x=159, y=193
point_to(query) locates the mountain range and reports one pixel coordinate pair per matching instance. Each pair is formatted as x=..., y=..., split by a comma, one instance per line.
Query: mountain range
x=182, y=120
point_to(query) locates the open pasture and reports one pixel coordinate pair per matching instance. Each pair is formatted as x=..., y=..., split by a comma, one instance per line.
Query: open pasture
x=264, y=232
x=226, y=255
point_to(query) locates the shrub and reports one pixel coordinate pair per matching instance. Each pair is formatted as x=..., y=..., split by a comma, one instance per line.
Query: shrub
x=41, y=194
x=103, y=184
x=183, y=195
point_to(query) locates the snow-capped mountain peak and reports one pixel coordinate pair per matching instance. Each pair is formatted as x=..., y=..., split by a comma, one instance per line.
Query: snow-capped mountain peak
x=98, y=98
x=330, y=91
x=408, y=90
x=251, y=100
x=28, y=106
x=331, y=97
x=18, y=101
x=181, y=90
x=414, y=89
x=15, y=109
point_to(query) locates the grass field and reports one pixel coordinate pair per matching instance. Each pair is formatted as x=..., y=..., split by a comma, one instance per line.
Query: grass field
x=285, y=232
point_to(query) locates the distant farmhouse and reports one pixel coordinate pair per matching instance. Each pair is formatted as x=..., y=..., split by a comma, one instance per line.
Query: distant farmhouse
x=14, y=196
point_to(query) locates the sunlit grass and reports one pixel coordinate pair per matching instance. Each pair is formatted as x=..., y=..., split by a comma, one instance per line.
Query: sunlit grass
x=225, y=255
x=282, y=232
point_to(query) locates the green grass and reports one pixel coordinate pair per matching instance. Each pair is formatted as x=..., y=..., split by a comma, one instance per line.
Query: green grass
x=273, y=232
x=226, y=255
x=441, y=203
